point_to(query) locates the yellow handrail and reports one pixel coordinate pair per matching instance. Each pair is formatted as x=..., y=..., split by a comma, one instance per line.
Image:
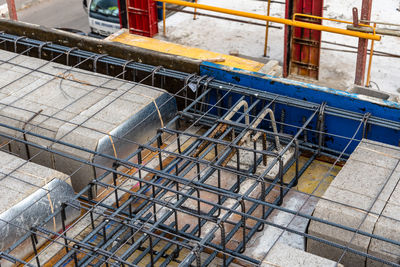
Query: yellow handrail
x=289, y=22
x=334, y=20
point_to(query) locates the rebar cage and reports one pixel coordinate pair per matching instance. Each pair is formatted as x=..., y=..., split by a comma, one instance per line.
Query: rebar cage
x=200, y=190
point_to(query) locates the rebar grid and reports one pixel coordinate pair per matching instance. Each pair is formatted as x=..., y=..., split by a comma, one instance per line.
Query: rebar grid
x=147, y=203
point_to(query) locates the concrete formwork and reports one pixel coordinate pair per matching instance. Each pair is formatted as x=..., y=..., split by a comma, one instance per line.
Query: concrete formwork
x=89, y=110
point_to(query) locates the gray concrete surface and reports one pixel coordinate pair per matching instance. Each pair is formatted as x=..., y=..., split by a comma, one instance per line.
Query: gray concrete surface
x=80, y=108
x=30, y=193
x=56, y=13
x=285, y=256
x=366, y=183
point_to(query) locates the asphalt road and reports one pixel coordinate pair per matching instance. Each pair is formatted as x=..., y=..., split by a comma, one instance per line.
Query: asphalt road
x=56, y=13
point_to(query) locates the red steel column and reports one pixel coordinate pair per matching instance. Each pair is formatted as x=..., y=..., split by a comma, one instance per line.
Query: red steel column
x=12, y=11
x=363, y=45
x=302, y=46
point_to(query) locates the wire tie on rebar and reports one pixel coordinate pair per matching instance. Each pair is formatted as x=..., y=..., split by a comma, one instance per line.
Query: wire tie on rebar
x=199, y=79
x=113, y=145
x=185, y=86
x=156, y=106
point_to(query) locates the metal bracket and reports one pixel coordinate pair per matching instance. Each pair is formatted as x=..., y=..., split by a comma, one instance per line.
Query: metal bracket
x=124, y=68
x=69, y=52
x=41, y=47
x=16, y=41
x=95, y=61
x=365, y=121
x=154, y=72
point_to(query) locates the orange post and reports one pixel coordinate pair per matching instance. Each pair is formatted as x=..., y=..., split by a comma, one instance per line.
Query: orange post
x=12, y=11
x=163, y=17
x=195, y=10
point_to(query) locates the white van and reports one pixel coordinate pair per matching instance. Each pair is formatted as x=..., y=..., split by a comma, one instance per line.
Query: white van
x=103, y=17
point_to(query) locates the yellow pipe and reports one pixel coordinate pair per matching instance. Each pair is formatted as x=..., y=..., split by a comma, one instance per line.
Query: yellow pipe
x=267, y=29
x=334, y=20
x=163, y=13
x=277, y=20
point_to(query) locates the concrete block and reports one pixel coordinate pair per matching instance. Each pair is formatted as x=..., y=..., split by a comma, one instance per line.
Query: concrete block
x=285, y=256
x=20, y=179
x=78, y=107
x=387, y=226
x=359, y=194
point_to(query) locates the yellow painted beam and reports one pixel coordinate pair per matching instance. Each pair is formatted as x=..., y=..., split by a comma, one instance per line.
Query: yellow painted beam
x=276, y=20
x=185, y=51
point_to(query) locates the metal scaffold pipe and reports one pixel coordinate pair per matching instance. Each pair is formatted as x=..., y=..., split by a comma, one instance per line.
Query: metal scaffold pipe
x=288, y=22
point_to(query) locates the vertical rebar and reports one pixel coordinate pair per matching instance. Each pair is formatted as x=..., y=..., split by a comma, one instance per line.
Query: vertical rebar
x=154, y=203
x=255, y=156
x=283, y=115
x=219, y=195
x=130, y=217
x=242, y=204
x=76, y=248
x=159, y=144
x=34, y=243
x=151, y=250
x=280, y=180
x=198, y=211
x=90, y=197
x=238, y=169
x=264, y=144
x=262, y=198
x=115, y=177
x=223, y=242
x=140, y=163
x=63, y=218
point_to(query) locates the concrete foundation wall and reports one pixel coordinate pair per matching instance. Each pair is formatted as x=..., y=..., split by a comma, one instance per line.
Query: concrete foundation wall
x=100, y=46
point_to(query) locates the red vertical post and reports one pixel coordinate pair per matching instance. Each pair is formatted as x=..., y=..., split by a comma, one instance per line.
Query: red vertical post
x=287, y=38
x=363, y=45
x=142, y=17
x=12, y=11
x=302, y=46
